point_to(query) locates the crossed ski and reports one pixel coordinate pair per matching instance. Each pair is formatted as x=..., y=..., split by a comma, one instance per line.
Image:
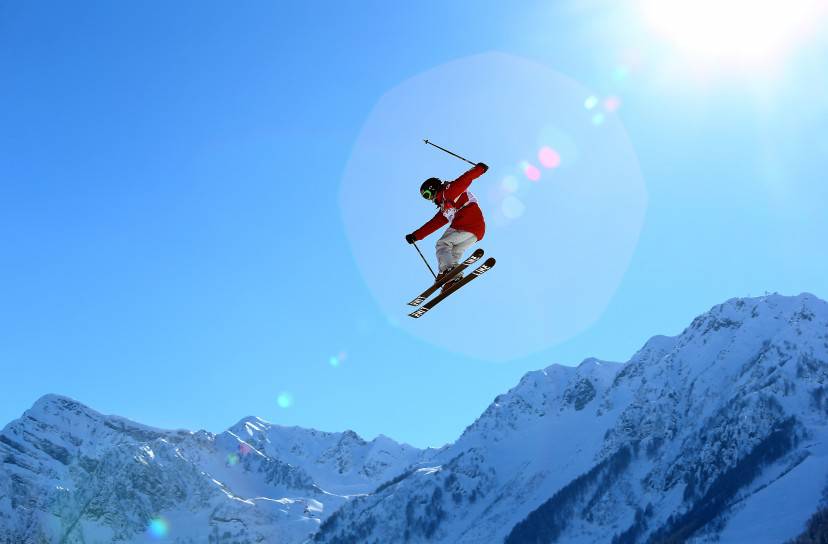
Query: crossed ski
x=479, y=271
x=454, y=271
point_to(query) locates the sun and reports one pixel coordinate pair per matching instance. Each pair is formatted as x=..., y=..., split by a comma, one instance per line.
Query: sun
x=747, y=32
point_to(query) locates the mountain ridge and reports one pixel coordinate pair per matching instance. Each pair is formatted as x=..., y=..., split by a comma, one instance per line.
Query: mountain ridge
x=665, y=428
x=689, y=440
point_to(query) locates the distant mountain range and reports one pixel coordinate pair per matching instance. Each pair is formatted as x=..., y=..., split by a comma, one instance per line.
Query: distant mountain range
x=719, y=434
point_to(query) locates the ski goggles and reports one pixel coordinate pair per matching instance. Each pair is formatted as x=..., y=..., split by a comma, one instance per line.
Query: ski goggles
x=428, y=194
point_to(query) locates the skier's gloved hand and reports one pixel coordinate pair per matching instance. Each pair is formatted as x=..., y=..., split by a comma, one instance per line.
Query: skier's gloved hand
x=410, y=238
x=484, y=166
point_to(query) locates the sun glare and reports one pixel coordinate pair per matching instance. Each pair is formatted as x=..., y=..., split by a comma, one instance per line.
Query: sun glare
x=745, y=31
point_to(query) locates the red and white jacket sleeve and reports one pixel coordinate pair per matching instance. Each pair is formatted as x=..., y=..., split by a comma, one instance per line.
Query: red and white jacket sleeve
x=459, y=186
x=431, y=225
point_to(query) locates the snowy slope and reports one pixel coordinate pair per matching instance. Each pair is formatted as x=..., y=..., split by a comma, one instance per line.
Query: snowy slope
x=718, y=433
x=715, y=435
x=70, y=474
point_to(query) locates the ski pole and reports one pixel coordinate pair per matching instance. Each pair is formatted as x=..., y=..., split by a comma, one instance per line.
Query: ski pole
x=449, y=152
x=424, y=260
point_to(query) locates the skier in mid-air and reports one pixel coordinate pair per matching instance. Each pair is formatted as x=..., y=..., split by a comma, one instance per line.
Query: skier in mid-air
x=459, y=208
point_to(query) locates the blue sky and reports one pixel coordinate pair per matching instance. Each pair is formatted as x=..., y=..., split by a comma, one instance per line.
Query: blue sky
x=174, y=231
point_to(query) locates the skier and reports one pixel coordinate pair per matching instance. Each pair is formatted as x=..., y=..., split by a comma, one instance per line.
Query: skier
x=457, y=206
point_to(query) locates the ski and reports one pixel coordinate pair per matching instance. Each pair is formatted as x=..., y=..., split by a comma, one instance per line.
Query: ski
x=454, y=271
x=479, y=271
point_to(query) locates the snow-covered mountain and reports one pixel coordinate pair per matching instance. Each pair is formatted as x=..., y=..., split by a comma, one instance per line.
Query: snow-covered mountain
x=70, y=474
x=717, y=434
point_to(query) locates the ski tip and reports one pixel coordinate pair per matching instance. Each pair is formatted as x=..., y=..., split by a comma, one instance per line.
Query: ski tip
x=418, y=312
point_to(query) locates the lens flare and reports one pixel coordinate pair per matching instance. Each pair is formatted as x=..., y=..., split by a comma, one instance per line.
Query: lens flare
x=244, y=449
x=548, y=157
x=591, y=102
x=510, y=184
x=512, y=207
x=531, y=171
x=232, y=459
x=338, y=359
x=612, y=103
x=158, y=528
x=284, y=400
x=598, y=119
x=562, y=142
x=534, y=106
x=620, y=72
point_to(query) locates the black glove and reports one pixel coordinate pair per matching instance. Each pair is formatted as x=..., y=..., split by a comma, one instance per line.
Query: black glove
x=484, y=165
x=410, y=238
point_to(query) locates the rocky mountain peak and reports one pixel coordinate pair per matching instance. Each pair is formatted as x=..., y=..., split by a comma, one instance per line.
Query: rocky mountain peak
x=718, y=433
x=697, y=435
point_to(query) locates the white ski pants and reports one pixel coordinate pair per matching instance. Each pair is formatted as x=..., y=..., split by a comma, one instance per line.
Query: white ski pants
x=451, y=246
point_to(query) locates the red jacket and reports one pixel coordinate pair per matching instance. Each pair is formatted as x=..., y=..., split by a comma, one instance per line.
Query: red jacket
x=458, y=206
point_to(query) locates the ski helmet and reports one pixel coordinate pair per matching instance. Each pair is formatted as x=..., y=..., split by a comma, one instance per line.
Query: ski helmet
x=430, y=188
